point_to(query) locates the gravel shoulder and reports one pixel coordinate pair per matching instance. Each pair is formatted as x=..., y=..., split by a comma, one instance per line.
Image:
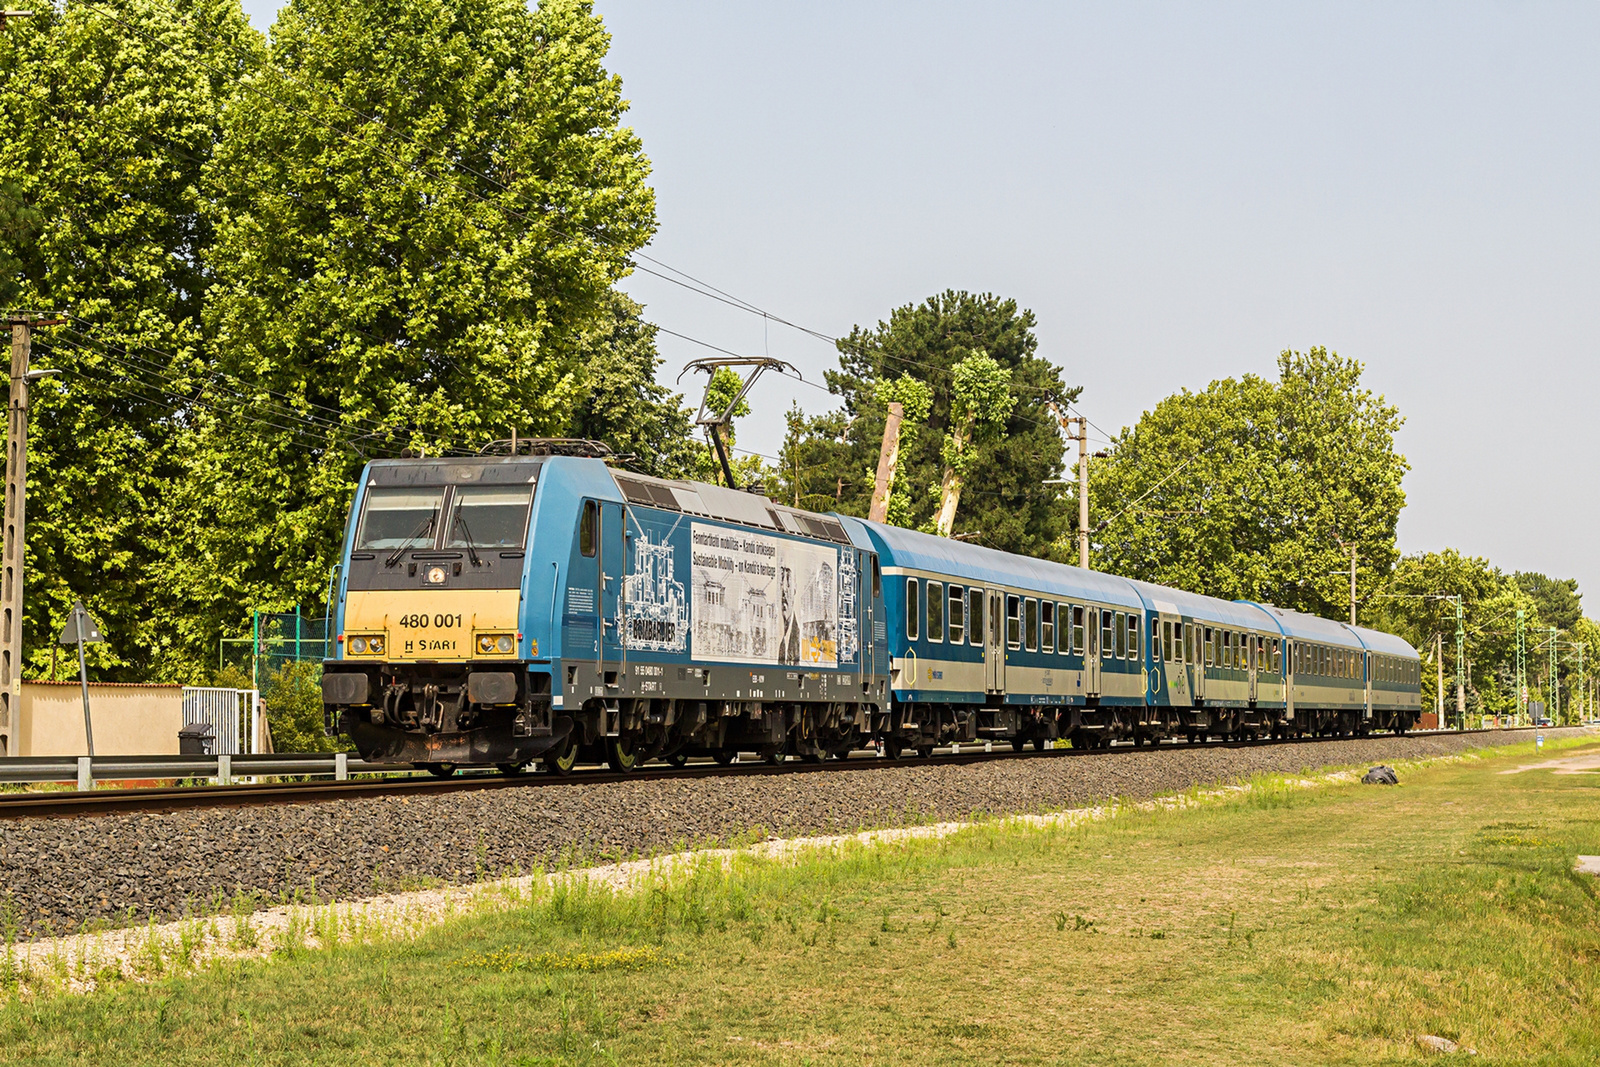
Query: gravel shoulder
x=60, y=874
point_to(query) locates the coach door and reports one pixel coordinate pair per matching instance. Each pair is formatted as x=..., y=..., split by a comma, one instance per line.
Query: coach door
x=1195, y=648
x=1253, y=657
x=994, y=642
x=1288, y=677
x=1366, y=673
x=609, y=572
x=1091, y=659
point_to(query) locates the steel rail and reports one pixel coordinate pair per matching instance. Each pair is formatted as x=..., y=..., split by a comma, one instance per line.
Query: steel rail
x=147, y=800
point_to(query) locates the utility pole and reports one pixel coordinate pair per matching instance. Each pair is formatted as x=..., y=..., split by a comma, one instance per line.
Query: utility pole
x=1522, y=665
x=16, y=499
x=888, y=458
x=1083, y=491
x=1461, y=684
x=1438, y=663
x=1555, y=679
x=1352, y=585
x=1082, y=437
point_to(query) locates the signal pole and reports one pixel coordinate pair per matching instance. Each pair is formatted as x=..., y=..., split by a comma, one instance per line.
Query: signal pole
x=1438, y=664
x=16, y=498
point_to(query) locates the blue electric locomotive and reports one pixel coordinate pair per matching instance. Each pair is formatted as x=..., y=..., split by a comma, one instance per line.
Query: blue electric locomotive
x=539, y=604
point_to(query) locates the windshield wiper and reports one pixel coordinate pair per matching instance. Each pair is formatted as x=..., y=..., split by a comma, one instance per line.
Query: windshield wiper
x=472, y=553
x=422, y=531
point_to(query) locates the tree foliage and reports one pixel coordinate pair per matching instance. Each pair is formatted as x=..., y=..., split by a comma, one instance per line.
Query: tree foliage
x=1012, y=510
x=980, y=401
x=110, y=114
x=1253, y=489
x=421, y=207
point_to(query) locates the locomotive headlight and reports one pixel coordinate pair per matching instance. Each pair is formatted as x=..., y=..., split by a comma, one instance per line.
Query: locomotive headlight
x=435, y=575
x=358, y=646
x=375, y=645
x=366, y=645
x=496, y=644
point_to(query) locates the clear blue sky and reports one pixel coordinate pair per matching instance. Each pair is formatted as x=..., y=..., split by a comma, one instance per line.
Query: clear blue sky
x=1179, y=192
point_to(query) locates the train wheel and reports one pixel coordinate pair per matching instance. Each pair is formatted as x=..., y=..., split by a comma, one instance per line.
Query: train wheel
x=562, y=758
x=439, y=770
x=678, y=759
x=893, y=748
x=775, y=759
x=512, y=770
x=1138, y=740
x=725, y=756
x=1041, y=743
x=924, y=751
x=621, y=755
x=1019, y=743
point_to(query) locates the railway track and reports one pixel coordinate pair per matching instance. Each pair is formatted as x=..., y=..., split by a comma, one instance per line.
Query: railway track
x=36, y=805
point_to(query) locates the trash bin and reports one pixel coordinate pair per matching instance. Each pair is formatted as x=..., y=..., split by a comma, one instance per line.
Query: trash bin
x=195, y=739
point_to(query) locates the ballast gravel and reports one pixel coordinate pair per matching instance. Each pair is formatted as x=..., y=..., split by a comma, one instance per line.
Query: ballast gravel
x=56, y=875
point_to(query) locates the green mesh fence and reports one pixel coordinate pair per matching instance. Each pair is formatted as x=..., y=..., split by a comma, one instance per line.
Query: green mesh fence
x=276, y=640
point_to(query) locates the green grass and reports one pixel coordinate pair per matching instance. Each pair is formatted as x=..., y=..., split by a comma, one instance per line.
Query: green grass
x=1281, y=925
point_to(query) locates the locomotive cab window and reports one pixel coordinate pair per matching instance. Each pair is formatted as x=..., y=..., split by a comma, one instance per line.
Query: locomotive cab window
x=588, y=528
x=398, y=517
x=975, y=616
x=957, y=615
x=913, y=608
x=489, y=516
x=935, y=611
x=1013, y=621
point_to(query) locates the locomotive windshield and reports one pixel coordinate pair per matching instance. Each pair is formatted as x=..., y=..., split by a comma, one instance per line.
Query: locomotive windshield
x=399, y=516
x=489, y=516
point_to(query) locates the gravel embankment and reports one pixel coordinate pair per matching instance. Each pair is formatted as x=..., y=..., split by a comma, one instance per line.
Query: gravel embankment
x=60, y=873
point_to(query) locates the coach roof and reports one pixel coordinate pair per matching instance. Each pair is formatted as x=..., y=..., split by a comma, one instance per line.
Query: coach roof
x=912, y=550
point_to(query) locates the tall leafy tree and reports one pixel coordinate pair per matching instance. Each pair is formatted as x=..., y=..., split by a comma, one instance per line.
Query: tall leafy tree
x=1257, y=489
x=421, y=208
x=109, y=114
x=980, y=400
x=621, y=403
x=1560, y=603
x=1005, y=505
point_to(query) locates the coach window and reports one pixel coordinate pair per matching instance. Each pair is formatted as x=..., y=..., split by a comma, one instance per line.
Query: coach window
x=877, y=578
x=913, y=608
x=1064, y=617
x=1119, y=642
x=587, y=541
x=1077, y=629
x=975, y=616
x=957, y=615
x=1162, y=639
x=1191, y=643
x=1133, y=636
x=1047, y=626
x=1277, y=656
x=1030, y=624
x=935, y=611
x=1107, y=624
x=1013, y=621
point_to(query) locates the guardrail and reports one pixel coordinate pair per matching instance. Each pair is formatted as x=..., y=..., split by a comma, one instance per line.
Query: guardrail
x=87, y=770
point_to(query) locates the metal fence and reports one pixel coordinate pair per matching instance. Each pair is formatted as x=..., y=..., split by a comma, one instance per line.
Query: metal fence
x=234, y=716
x=276, y=640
